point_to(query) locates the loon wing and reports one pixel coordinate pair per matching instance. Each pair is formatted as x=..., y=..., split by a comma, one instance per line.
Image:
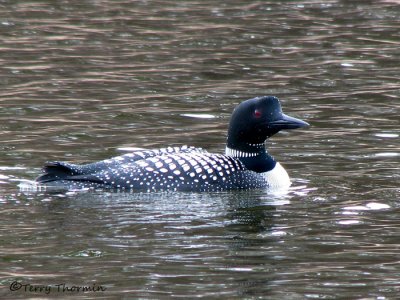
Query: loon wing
x=180, y=171
x=191, y=170
x=55, y=171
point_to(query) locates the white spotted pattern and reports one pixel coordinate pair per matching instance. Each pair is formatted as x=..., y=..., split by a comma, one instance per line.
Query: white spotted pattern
x=173, y=168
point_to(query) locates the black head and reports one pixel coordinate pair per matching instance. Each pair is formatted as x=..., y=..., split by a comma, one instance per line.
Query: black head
x=255, y=120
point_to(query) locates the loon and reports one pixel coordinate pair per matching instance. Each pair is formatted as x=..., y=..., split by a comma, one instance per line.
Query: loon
x=245, y=165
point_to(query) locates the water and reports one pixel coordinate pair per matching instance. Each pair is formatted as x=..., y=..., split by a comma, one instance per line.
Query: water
x=81, y=80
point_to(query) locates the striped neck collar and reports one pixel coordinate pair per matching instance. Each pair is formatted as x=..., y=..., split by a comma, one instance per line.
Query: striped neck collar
x=259, y=148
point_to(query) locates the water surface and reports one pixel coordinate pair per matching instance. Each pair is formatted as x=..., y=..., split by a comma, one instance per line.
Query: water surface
x=81, y=81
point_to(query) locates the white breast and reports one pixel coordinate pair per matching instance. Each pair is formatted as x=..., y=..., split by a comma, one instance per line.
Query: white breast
x=277, y=177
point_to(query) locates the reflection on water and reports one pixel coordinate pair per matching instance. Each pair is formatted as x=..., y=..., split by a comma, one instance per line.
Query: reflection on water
x=83, y=81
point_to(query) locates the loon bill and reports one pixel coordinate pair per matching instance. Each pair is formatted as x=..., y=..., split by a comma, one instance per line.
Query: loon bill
x=246, y=163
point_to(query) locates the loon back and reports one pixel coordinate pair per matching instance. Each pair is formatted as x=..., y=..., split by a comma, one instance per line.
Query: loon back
x=183, y=171
x=54, y=171
x=246, y=163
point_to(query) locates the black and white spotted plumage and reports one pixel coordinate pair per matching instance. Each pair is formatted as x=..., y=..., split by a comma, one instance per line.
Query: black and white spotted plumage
x=187, y=168
x=183, y=169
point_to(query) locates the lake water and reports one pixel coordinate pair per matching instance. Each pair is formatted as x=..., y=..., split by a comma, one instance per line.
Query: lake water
x=81, y=80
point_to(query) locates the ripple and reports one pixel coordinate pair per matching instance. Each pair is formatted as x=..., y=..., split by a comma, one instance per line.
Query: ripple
x=199, y=116
x=368, y=206
x=387, y=154
x=387, y=135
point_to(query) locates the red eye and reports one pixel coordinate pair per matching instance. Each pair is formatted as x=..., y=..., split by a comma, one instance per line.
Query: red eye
x=257, y=113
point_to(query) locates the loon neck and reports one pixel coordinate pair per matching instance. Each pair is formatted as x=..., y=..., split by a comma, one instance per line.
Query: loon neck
x=246, y=150
x=254, y=156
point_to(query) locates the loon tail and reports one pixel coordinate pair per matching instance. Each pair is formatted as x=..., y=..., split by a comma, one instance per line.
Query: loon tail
x=56, y=171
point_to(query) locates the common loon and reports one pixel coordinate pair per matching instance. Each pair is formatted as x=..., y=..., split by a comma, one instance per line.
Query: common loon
x=246, y=164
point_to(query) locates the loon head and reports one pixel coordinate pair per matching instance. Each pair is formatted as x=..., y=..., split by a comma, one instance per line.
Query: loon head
x=255, y=120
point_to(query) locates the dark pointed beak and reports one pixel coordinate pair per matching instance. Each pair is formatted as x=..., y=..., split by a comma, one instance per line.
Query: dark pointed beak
x=287, y=122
